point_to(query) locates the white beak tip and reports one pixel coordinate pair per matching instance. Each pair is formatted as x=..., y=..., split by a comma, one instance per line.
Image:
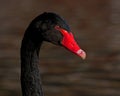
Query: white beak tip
x=81, y=53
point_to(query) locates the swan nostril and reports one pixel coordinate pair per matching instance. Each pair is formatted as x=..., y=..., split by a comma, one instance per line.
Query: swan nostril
x=72, y=44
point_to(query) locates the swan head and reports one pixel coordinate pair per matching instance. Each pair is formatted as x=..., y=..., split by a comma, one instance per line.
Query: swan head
x=52, y=28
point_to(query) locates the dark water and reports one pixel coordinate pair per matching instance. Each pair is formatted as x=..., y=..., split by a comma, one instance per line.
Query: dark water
x=96, y=25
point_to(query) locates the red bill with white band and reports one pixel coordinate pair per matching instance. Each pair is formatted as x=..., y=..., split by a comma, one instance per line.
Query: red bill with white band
x=69, y=42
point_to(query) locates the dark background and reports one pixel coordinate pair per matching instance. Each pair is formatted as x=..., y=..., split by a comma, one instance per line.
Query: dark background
x=96, y=25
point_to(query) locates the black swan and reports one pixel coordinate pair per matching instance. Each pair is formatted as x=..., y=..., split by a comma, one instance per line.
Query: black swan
x=46, y=27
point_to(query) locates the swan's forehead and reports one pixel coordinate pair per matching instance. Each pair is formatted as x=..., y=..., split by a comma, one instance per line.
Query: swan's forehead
x=62, y=31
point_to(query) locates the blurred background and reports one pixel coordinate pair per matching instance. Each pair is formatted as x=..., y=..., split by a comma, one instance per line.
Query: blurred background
x=96, y=26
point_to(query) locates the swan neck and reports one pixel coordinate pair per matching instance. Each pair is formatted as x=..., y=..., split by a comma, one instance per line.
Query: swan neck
x=30, y=75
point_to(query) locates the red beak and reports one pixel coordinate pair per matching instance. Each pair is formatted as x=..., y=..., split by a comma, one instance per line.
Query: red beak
x=69, y=42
